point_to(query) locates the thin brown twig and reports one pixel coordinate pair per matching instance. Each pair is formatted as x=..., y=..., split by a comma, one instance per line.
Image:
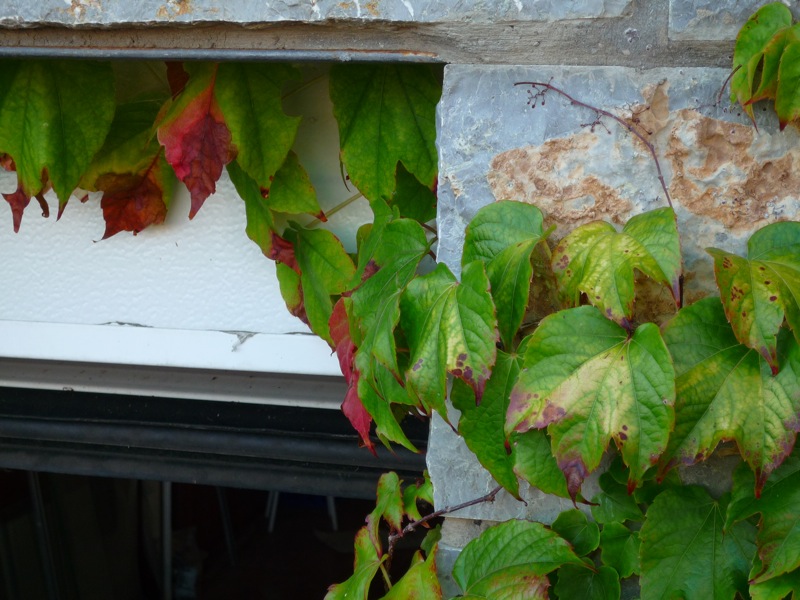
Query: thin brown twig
x=539, y=86
x=725, y=84
x=413, y=525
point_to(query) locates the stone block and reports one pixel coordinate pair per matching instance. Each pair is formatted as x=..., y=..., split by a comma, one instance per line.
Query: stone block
x=123, y=12
x=713, y=19
x=726, y=179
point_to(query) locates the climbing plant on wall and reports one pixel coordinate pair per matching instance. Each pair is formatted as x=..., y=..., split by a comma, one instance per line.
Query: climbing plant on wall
x=545, y=383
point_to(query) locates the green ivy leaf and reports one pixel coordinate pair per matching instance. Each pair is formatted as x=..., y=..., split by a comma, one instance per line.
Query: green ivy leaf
x=778, y=588
x=759, y=291
x=535, y=463
x=325, y=271
x=130, y=146
x=481, y=425
x=779, y=528
x=413, y=199
x=725, y=391
x=386, y=114
x=387, y=261
x=512, y=583
x=367, y=563
x=523, y=544
x=48, y=124
x=596, y=260
x=432, y=538
x=451, y=327
x=614, y=504
x=291, y=190
x=770, y=66
x=389, y=506
x=291, y=292
x=686, y=554
x=420, y=582
x=573, y=526
x=249, y=95
x=503, y=235
x=787, y=98
x=588, y=382
x=751, y=43
x=260, y=222
x=376, y=397
x=581, y=583
x=619, y=549
x=421, y=491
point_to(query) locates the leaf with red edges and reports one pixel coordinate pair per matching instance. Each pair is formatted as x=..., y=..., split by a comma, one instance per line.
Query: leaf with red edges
x=588, y=381
x=134, y=202
x=195, y=136
x=47, y=126
x=345, y=349
x=249, y=95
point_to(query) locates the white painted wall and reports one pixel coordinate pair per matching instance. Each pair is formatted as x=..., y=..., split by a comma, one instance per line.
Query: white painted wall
x=184, y=281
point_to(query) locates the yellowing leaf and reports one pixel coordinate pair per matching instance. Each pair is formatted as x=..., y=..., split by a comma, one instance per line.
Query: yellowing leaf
x=451, y=328
x=725, y=391
x=759, y=291
x=588, y=382
x=596, y=260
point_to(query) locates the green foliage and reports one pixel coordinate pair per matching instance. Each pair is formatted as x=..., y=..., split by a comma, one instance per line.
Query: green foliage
x=759, y=291
x=766, y=62
x=514, y=550
x=779, y=527
x=48, y=128
x=588, y=382
x=685, y=552
x=727, y=391
x=543, y=407
x=451, y=328
x=597, y=261
x=386, y=116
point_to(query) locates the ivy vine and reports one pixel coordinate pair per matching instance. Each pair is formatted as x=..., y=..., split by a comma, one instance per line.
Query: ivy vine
x=593, y=375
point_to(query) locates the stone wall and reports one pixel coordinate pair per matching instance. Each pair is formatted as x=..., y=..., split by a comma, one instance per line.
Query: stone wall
x=661, y=62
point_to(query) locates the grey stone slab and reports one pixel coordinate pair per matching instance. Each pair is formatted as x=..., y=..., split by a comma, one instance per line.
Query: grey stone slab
x=16, y=13
x=713, y=19
x=458, y=477
x=726, y=180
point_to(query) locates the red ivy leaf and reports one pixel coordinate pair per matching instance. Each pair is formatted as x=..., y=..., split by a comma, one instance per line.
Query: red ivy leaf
x=352, y=407
x=7, y=163
x=177, y=77
x=19, y=201
x=197, y=140
x=282, y=251
x=133, y=202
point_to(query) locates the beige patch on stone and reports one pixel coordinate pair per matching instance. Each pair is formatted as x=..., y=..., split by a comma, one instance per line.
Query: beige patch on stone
x=716, y=175
x=550, y=177
x=174, y=8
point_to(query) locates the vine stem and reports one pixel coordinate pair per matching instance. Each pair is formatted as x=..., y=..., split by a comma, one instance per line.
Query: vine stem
x=343, y=204
x=413, y=525
x=725, y=84
x=540, y=85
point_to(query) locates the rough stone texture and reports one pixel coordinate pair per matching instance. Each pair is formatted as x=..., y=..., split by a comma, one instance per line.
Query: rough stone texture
x=458, y=478
x=123, y=12
x=725, y=179
x=630, y=33
x=713, y=19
